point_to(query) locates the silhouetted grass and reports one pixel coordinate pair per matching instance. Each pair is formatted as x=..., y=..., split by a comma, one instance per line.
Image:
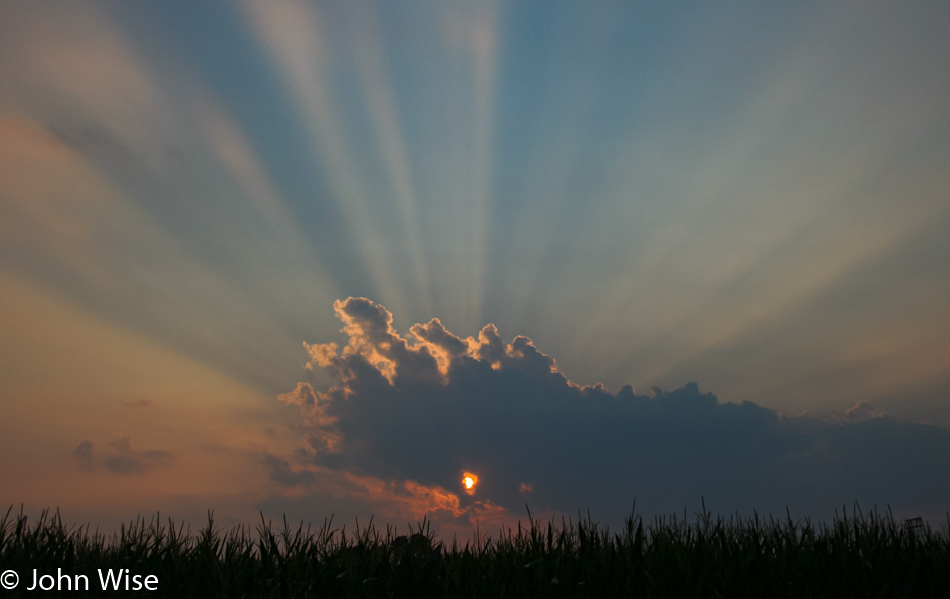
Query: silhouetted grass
x=858, y=555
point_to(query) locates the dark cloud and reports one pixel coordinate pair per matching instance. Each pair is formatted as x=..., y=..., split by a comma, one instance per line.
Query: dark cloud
x=427, y=411
x=282, y=474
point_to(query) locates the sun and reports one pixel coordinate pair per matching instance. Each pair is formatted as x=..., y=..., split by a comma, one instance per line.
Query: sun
x=469, y=481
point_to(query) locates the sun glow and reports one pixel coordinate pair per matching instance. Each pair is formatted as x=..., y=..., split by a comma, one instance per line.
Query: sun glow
x=469, y=481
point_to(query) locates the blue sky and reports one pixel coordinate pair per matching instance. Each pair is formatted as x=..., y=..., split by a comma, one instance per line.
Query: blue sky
x=752, y=198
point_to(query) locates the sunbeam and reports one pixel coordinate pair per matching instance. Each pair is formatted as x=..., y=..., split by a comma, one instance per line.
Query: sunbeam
x=292, y=32
x=392, y=145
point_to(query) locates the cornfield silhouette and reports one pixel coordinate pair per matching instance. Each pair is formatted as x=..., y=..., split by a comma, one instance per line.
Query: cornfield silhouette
x=856, y=555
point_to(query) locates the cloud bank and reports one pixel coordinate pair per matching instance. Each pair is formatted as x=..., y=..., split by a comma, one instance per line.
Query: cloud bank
x=415, y=413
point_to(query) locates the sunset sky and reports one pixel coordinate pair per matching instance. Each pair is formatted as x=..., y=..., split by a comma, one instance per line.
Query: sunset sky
x=325, y=258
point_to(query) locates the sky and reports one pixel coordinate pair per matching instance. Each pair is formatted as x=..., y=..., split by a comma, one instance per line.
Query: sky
x=314, y=258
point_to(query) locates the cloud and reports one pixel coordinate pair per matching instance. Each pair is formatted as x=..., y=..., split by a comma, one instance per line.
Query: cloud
x=860, y=412
x=423, y=412
x=142, y=403
x=282, y=474
x=126, y=460
x=83, y=454
x=122, y=459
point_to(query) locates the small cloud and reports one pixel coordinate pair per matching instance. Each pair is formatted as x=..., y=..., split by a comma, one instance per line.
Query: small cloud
x=83, y=454
x=303, y=396
x=125, y=460
x=862, y=411
x=142, y=403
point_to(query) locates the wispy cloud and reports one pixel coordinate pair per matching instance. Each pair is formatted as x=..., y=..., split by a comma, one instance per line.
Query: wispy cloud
x=427, y=410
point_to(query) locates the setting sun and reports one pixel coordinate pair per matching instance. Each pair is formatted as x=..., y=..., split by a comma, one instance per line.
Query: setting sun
x=469, y=481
